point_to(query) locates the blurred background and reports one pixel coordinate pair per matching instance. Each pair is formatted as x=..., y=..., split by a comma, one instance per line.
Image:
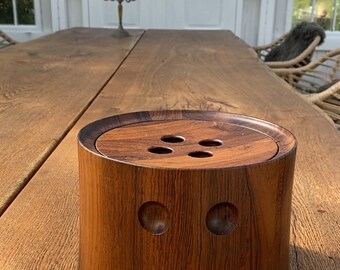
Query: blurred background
x=255, y=21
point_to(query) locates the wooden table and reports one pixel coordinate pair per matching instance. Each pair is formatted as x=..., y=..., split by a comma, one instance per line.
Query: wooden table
x=53, y=86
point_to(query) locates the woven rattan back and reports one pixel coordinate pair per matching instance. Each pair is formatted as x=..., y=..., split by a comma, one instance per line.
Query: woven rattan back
x=329, y=102
x=301, y=60
x=262, y=51
x=316, y=76
x=321, y=79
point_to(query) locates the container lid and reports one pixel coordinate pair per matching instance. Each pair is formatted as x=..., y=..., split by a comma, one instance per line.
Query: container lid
x=186, y=139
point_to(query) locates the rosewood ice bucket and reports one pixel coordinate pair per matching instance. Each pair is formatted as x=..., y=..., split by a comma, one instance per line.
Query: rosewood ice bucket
x=185, y=190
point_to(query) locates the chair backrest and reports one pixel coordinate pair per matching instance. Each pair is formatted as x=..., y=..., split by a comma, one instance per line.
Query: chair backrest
x=262, y=51
x=5, y=40
x=301, y=60
x=294, y=49
x=296, y=42
x=322, y=79
x=316, y=76
x=329, y=102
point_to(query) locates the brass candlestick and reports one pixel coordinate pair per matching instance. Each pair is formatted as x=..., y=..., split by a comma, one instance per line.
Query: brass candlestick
x=120, y=32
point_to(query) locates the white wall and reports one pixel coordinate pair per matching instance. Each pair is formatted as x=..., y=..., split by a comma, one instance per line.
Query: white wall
x=74, y=13
x=44, y=25
x=240, y=16
x=250, y=21
x=167, y=14
x=255, y=21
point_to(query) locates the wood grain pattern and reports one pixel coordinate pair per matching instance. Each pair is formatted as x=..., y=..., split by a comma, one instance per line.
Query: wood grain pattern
x=202, y=70
x=45, y=85
x=182, y=211
x=142, y=145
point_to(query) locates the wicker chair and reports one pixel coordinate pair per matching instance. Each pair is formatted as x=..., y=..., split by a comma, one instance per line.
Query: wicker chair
x=305, y=52
x=5, y=40
x=329, y=102
x=316, y=76
x=318, y=82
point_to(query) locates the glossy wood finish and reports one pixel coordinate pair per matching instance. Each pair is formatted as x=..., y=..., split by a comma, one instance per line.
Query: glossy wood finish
x=45, y=86
x=142, y=144
x=195, y=206
x=199, y=70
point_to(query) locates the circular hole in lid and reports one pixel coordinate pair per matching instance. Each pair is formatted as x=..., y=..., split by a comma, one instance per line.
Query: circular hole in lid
x=160, y=150
x=200, y=154
x=172, y=139
x=211, y=142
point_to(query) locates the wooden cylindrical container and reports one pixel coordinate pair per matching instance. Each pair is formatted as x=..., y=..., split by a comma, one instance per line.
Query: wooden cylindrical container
x=185, y=190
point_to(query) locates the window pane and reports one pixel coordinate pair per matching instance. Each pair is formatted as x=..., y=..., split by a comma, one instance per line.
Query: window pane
x=25, y=10
x=322, y=12
x=6, y=12
x=337, y=23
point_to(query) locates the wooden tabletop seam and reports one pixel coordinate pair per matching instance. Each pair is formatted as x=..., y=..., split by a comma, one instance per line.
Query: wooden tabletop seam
x=19, y=93
x=198, y=70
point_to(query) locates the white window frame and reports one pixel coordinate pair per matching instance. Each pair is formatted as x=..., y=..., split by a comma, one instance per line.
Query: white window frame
x=270, y=30
x=50, y=16
x=266, y=23
x=332, y=40
x=25, y=28
x=59, y=14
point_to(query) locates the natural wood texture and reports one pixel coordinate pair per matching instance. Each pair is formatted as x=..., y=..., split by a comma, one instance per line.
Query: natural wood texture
x=141, y=143
x=204, y=70
x=45, y=85
x=131, y=213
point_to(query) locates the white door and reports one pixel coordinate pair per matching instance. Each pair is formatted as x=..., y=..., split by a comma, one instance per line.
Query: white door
x=166, y=14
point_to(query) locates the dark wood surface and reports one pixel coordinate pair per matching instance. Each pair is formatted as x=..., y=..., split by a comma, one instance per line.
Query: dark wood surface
x=184, y=209
x=45, y=86
x=240, y=141
x=204, y=70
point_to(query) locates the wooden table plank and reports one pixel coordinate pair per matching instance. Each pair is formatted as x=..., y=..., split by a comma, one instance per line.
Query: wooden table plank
x=45, y=85
x=184, y=70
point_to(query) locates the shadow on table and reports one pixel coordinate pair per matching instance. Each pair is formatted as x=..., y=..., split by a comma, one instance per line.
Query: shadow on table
x=301, y=259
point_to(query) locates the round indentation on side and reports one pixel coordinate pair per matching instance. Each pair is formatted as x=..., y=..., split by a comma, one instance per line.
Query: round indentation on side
x=211, y=142
x=160, y=150
x=172, y=139
x=222, y=218
x=200, y=154
x=154, y=217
